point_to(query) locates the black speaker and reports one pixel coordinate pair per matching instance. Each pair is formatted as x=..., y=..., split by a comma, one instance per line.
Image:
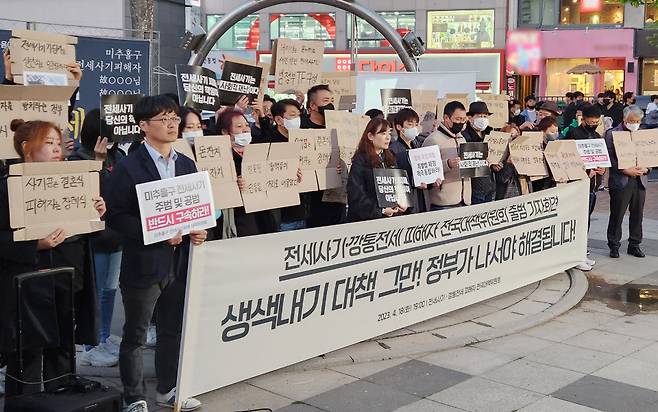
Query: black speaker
x=630, y=67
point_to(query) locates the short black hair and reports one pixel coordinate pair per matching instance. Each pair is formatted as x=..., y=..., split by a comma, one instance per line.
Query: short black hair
x=569, y=95
x=172, y=96
x=578, y=94
x=267, y=98
x=404, y=115
x=150, y=106
x=313, y=91
x=628, y=95
x=654, y=97
x=514, y=102
x=591, y=111
x=183, y=112
x=450, y=108
x=528, y=98
x=547, y=122
x=600, y=95
x=279, y=108
x=92, y=128
x=610, y=94
x=372, y=113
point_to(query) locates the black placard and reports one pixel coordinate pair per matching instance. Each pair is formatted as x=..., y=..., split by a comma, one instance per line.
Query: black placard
x=197, y=87
x=392, y=187
x=473, y=160
x=394, y=100
x=237, y=80
x=117, y=116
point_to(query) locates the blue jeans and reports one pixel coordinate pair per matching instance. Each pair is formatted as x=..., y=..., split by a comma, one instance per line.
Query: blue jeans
x=477, y=199
x=108, y=266
x=288, y=226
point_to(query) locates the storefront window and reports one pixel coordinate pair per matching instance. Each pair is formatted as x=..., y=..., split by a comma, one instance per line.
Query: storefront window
x=460, y=29
x=531, y=13
x=650, y=77
x=245, y=34
x=307, y=26
x=558, y=81
x=588, y=12
x=650, y=12
x=370, y=38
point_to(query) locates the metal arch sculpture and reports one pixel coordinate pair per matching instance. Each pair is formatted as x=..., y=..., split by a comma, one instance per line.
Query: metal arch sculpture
x=353, y=7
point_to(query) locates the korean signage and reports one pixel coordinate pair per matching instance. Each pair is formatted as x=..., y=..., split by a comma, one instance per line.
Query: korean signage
x=197, y=87
x=394, y=100
x=183, y=203
x=426, y=165
x=237, y=80
x=594, y=153
x=473, y=160
x=392, y=188
x=297, y=64
x=117, y=113
x=332, y=287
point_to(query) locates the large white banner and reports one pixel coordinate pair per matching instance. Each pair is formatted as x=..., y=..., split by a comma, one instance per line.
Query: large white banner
x=257, y=304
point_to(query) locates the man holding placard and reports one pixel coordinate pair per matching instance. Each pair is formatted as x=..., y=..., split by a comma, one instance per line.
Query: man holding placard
x=153, y=273
x=628, y=188
x=477, y=128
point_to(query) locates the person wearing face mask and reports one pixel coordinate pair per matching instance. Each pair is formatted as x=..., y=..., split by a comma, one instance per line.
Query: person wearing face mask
x=548, y=126
x=569, y=113
x=508, y=182
x=191, y=125
x=407, y=127
x=454, y=191
x=515, y=116
x=483, y=188
x=46, y=331
x=530, y=113
x=372, y=153
x=577, y=120
x=628, y=188
x=629, y=99
x=612, y=109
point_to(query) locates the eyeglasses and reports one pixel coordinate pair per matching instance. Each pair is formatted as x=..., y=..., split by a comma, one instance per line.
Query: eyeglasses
x=165, y=120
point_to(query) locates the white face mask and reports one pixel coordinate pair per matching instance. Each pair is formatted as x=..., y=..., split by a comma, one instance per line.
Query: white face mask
x=480, y=123
x=633, y=127
x=243, y=139
x=410, y=133
x=190, y=135
x=517, y=112
x=295, y=123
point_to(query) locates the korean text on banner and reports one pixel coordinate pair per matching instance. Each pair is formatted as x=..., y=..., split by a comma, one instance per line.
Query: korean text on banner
x=40, y=58
x=214, y=155
x=265, y=69
x=394, y=100
x=197, y=87
x=117, y=112
x=426, y=165
x=473, y=160
x=392, y=188
x=238, y=80
x=332, y=287
x=343, y=86
x=46, y=196
x=594, y=153
x=167, y=206
x=318, y=158
x=297, y=64
x=49, y=103
x=527, y=154
x=497, y=143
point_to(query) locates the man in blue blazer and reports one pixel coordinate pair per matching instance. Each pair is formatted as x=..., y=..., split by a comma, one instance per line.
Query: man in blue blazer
x=153, y=274
x=628, y=188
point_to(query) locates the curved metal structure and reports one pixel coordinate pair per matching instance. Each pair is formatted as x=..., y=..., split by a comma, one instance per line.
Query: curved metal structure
x=353, y=7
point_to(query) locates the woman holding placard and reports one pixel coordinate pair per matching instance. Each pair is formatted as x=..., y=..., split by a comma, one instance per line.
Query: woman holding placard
x=44, y=359
x=508, y=182
x=372, y=153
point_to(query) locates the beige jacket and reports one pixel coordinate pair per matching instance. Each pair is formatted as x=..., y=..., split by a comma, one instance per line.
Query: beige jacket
x=453, y=190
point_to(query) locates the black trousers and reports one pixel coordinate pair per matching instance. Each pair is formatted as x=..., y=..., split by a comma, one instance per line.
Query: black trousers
x=632, y=198
x=168, y=299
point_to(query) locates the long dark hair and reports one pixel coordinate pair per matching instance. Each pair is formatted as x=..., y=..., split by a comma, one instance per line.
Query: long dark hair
x=367, y=149
x=184, y=111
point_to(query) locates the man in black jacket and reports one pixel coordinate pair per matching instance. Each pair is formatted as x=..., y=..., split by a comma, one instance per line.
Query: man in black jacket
x=483, y=188
x=154, y=273
x=569, y=113
x=613, y=109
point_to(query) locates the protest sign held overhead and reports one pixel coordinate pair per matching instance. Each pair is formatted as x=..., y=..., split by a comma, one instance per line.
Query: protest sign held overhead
x=214, y=155
x=41, y=58
x=48, y=103
x=343, y=87
x=594, y=153
x=197, y=87
x=239, y=79
x=498, y=106
x=527, y=154
x=394, y=100
x=270, y=173
x=426, y=165
x=117, y=114
x=473, y=160
x=167, y=206
x=392, y=187
x=424, y=103
x=296, y=64
x=497, y=144
x=45, y=196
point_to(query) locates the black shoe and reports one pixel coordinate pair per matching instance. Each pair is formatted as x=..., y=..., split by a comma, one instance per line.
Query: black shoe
x=636, y=251
x=614, y=253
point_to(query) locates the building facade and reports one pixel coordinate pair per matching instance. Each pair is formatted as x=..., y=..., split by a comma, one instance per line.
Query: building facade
x=464, y=35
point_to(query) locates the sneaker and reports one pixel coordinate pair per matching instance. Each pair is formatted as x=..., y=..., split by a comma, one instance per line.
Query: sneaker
x=168, y=400
x=139, y=406
x=111, y=347
x=114, y=339
x=151, y=336
x=98, y=357
x=590, y=261
x=584, y=267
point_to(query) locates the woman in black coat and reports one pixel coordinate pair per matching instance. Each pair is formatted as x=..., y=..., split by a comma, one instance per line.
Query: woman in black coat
x=372, y=153
x=47, y=328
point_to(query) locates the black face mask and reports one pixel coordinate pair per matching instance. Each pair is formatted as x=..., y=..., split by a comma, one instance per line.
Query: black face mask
x=590, y=128
x=633, y=101
x=530, y=106
x=606, y=101
x=456, y=127
x=329, y=106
